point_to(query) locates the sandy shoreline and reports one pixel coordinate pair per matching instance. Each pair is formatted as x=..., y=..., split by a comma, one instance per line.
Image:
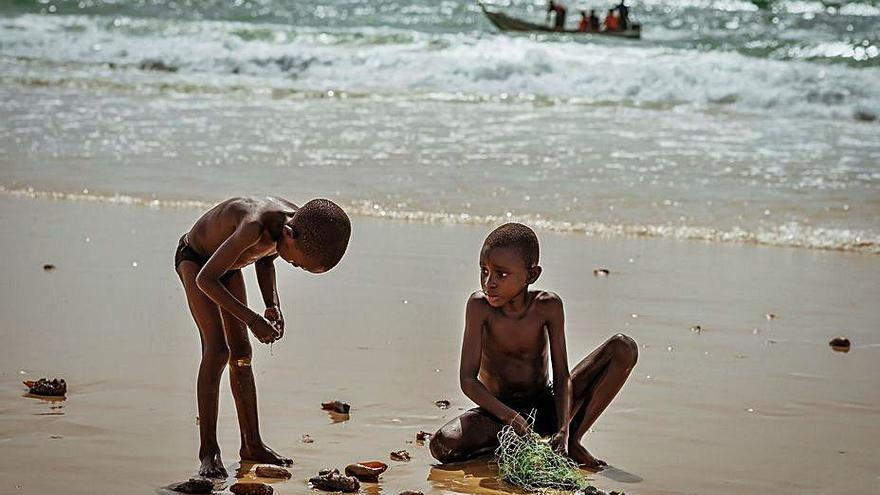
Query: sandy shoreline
x=747, y=406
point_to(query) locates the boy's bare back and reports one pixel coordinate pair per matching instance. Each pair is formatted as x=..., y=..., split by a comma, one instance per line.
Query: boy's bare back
x=220, y=222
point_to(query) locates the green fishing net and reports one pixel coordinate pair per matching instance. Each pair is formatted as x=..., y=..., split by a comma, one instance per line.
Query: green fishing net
x=529, y=463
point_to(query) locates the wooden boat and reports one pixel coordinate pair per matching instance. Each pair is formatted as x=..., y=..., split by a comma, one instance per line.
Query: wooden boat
x=510, y=24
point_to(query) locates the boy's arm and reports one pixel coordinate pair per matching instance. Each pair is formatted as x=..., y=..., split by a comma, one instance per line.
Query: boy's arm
x=471, y=353
x=208, y=278
x=265, y=268
x=561, y=374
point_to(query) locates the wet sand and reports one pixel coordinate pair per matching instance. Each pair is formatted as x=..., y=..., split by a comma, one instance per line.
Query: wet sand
x=749, y=405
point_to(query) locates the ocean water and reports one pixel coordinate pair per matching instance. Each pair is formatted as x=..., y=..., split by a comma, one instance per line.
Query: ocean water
x=725, y=122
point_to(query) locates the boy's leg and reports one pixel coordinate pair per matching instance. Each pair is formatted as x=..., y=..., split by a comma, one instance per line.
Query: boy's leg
x=215, y=355
x=595, y=382
x=470, y=435
x=241, y=379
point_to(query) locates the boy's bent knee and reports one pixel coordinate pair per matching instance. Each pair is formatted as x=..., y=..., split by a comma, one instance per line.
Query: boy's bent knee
x=240, y=353
x=216, y=355
x=442, y=447
x=625, y=348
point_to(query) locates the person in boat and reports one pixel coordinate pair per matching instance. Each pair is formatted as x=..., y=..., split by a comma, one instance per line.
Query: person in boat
x=594, y=21
x=612, y=23
x=558, y=10
x=584, y=25
x=623, y=16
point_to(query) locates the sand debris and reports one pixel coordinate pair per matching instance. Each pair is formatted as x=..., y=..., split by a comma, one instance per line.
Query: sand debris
x=251, y=489
x=193, y=485
x=411, y=492
x=367, y=472
x=770, y=316
x=331, y=481
x=56, y=387
x=336, y=406
x=271, y=471
x=697, y=329
x=601, y=272
x=307, y=439
x=401, y=456
x=442, y=404
x=423, y=436
x=840, y=344
x=48, y=267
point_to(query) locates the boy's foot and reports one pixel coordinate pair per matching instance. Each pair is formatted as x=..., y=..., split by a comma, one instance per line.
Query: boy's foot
x=584, y=459
x=263, y=455
x=212, y=466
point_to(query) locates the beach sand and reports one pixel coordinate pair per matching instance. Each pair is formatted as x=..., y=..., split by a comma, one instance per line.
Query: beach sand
x=749, y=405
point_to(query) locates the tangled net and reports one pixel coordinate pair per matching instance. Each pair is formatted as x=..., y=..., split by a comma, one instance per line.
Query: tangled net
x=529, y=463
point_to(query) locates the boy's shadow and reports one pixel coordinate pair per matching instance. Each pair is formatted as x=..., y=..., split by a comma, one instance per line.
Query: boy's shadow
x=619, y=475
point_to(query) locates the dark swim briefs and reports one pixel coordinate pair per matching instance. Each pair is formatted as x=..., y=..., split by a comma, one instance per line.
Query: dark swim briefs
x=186, y=253
x=544, y=407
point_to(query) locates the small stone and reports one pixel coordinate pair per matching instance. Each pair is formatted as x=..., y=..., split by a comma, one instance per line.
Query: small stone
x=367, y=472
x=601, y=272
x=251, y=489
x=442, y=404
x=422, y=436
x=840, y=344
x=770, y=316
x=411, y=492
x=50, y=388
x=336, y=406
x=193, y=485
x=48, y=267
x=307, y=439
x=157, y=65
x=270, y=471
x=401, y=456
x=864, y=115
x=331, y=481
x=697, y=329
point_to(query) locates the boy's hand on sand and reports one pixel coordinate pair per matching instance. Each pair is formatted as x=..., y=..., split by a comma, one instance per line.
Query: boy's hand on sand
x=559, y=442
x=273, y=314
x=520, y=425
x=264, y=330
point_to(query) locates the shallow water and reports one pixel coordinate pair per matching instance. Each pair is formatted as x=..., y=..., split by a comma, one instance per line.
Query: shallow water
x=724, y=123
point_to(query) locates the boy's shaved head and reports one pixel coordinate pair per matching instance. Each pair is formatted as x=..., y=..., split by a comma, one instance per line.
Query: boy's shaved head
x=515, y=235
x=322, y=229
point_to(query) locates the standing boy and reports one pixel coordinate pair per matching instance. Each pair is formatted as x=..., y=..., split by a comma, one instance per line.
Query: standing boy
x=510, y=331
x=209, y=259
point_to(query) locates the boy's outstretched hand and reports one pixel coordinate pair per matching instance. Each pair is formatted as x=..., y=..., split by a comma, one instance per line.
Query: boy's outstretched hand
x=264, y=330
x=273, y=314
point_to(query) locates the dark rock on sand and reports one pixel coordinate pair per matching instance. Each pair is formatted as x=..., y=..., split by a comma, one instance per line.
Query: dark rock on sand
x=423, y=436
x=251, y=489
x=442, y=404
x=48, y=267
x=367, y=472
x=271, y=471
x=336, y=406
x=840, y=344
x=331, y=481
x=193, y=485
x=400, y=455
x=601, y=272
x=411, y=492
x=51, y=388
x=864, y=115
x=156, y=64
